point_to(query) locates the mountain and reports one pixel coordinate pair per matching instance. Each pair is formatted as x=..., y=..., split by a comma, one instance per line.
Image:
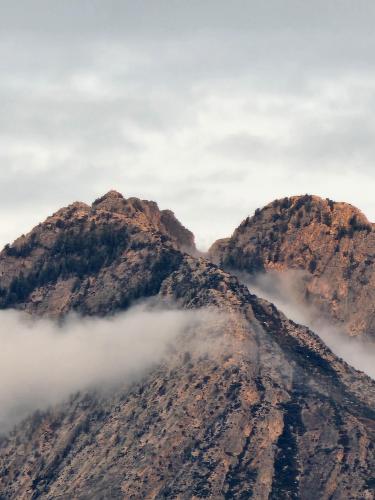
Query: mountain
x=331, y=245
x=94, y=259
x=246, y=403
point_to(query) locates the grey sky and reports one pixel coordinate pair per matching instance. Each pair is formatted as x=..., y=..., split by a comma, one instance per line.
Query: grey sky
x=210, y=108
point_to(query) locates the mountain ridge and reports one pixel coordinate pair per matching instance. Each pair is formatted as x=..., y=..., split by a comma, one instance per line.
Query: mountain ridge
x=247, y=404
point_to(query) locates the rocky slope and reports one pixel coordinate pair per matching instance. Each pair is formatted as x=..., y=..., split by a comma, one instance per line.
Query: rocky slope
x=248, y=404
x=333, y=244
x=95, y=259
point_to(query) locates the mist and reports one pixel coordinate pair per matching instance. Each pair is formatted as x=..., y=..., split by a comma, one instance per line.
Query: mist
x=42, y=363
x=285, y=291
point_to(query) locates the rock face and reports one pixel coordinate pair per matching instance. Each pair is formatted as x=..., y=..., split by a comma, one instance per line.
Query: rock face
x=332, y=243
x=249, y=404
x=92, y=259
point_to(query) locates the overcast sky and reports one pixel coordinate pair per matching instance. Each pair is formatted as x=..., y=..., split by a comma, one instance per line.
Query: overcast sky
x=210, y=108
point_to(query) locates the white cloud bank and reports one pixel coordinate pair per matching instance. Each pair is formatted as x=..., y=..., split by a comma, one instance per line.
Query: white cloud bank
x=283, y=290
x=42, y=363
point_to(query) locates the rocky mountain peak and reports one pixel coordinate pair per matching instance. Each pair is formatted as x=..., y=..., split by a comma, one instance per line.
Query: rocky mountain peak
x=112, y=194
x=331, y=242
x=301, y=211
x=79, y=246
x=111, y=200
x=149, y=213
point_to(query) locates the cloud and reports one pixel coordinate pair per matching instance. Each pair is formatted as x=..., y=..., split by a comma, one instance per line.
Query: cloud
x=149, y=98
x=285, y=291
x=41, y=363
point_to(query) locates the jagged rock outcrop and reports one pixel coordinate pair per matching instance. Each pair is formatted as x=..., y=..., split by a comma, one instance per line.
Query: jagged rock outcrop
x=333, y=243
x=247, y=405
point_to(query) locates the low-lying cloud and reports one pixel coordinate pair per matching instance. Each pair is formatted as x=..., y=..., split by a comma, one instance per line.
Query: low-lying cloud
x=285, y=290
x=41, y=362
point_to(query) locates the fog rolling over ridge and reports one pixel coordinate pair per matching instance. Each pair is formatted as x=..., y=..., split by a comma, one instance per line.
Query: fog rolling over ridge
x=224, y=397
x=284, y=291
x=41, y=363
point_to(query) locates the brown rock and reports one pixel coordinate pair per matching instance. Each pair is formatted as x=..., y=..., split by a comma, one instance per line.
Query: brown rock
x=333, y=243
x=94, y=259
x=247, y=405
